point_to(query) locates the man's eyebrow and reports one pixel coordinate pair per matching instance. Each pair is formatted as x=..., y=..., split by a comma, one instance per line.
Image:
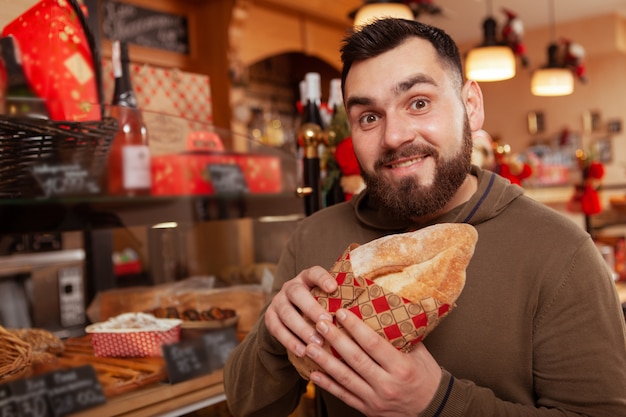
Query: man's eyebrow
x=400, y=88
x=358, y=101
x=416, y=79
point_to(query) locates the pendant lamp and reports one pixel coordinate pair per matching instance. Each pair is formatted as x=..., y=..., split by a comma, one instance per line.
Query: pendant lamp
x=376, y=9
x=492, y=60
x=554, y=79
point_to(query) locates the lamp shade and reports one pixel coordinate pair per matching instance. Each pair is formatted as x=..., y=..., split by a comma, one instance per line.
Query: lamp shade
x=372, y=11
x=552, y=82
x=490, y=63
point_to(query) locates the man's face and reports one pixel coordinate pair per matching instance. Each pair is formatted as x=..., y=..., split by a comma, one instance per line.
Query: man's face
x=409, y=129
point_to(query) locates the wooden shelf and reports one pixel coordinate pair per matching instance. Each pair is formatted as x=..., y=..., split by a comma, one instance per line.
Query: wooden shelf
x=163, y=399
x=139, y=386
x=68, y=214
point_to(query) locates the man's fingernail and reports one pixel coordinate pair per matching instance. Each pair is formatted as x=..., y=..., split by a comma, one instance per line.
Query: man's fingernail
x=341, y=314
x=312, y=351
x=317, y=339
x=325, y=316
x=322, y=327
x=300, y=351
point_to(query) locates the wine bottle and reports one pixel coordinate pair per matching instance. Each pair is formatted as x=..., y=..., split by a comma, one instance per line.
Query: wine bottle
x=338, y=129
x=19, y=98
x=311, y=132
x=129, y=171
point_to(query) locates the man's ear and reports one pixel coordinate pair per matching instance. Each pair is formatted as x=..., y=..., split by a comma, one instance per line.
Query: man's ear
x=473, y=100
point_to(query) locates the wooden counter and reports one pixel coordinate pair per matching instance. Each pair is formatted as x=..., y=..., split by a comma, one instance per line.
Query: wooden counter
x=163, y=399
x=138, y=387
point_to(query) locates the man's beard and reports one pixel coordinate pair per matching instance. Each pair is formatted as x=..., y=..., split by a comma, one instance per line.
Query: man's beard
x=409, y=199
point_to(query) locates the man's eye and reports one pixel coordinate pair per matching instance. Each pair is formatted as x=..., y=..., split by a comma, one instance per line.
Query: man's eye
x=419, y=104
x=368, y=118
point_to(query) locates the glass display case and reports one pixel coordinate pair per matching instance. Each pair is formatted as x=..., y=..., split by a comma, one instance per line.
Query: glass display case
x=197, y=179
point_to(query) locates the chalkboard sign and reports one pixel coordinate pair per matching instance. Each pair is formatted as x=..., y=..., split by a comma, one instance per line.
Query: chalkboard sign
x=220, y=343
x=186, y=360
x=73, y=390
x=30, y=397
x=227, y=179
x=8, y=407
x=145, y=27
x=65, y=180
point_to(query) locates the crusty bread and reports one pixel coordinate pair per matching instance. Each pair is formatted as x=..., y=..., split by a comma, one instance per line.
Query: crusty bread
x=428, y=258
x=40, y=340
x=426, y=267
x=429, y=262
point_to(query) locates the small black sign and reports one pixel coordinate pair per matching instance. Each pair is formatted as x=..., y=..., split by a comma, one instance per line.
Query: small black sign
x=73, y=390
x=227, y=179
x=220, y=343
x=186, y=360
x=8, y=408
x=30, y=397
x=146, y=27
x=65, y=180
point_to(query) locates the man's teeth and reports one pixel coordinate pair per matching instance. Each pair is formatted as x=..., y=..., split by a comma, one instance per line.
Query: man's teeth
x=406, y=163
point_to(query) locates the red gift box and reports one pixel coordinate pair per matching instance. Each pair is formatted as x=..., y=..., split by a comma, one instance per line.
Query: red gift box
x=190, y=173
x=58, y=58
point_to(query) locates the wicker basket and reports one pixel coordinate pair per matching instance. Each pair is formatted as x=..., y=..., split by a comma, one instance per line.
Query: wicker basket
x=27, y=143
x=15, y=356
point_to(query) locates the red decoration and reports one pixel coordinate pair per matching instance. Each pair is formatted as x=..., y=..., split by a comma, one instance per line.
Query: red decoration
x=344, y=153
x=57, y=59
x=351, y=181
x=586, y=198
x=512, y=33
x=513, y=170
x=573, y=58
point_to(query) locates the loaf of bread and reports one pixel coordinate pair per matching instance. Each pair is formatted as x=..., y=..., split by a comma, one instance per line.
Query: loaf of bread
x=40, y=340
x=416, y=277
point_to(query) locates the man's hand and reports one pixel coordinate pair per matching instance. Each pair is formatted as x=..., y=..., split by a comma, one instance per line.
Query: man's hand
x=376, y=378
x=284, y=316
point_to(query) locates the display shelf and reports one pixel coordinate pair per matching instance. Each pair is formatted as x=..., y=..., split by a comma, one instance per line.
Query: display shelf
x=92, y=213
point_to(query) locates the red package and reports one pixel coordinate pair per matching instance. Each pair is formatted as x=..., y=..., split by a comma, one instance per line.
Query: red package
x=189, y=173
x=58, y=58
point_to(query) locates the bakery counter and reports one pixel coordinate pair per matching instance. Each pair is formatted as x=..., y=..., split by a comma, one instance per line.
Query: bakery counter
x=140, y=386
x=133, y=386
x=163, y=399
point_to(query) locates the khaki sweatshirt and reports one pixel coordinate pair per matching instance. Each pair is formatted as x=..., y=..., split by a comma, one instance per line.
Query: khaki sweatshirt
x=537, y=331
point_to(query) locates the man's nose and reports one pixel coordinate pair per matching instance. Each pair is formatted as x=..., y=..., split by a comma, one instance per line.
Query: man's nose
x=398, y=131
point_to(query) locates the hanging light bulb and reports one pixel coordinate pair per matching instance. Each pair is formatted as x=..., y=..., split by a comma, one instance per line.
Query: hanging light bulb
x=377, y=9
x=492, y=60
x=554, y=79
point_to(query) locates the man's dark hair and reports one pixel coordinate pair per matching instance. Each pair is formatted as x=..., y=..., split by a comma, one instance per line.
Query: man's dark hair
x=385, y=34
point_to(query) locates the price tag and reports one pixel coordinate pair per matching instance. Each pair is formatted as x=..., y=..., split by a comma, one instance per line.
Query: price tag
x=8, y=408
x=227, y=179
x=65, y=179
x=219, y=344
x=74, y=389
x=186, y=360
x=29, y=396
